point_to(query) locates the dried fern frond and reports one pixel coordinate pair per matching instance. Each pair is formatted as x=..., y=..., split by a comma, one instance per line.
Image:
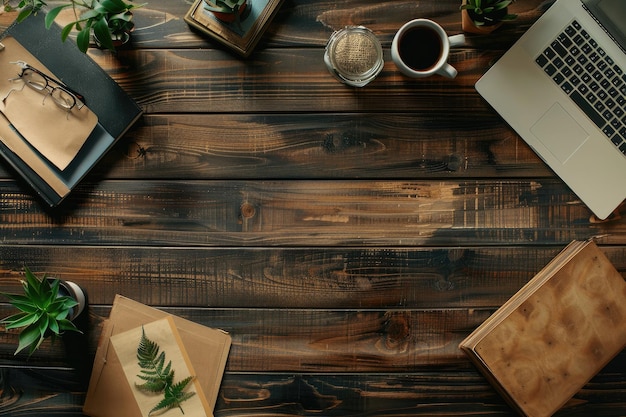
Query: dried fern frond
x=174, y=396
x=159, y=377
x=152, y=363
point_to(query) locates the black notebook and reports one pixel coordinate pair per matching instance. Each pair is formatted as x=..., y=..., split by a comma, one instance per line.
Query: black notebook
x=38, y=148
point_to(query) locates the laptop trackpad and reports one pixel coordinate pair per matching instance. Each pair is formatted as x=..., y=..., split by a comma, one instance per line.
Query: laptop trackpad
x=559, y=132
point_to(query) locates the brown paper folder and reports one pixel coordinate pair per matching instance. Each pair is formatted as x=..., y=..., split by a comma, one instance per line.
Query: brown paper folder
x=546, y=342
x=109, y=394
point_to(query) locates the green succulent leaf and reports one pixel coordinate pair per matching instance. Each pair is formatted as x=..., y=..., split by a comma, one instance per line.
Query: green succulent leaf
x=20, y=320
x=22, y=303
x=488, y=11
x=66, y=325
x=29, y=337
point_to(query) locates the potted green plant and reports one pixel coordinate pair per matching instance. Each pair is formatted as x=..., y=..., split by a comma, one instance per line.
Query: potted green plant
x=484, y=16
x=47, y=308
x=110, y=21
x=227, y=10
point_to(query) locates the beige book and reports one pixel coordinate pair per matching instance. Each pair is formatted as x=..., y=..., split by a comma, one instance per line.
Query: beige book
x=548, y=340
x=205, y=351
x=164, y=333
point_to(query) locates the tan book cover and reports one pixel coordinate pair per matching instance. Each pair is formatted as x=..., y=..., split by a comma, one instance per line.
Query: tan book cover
x=164, y=333
x=548, y=340
x=206, y=351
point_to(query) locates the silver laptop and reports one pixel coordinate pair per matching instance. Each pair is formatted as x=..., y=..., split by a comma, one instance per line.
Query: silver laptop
x=562, y=87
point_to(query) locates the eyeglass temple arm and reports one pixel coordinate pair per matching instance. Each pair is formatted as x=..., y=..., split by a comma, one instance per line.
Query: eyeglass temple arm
x=25, y=65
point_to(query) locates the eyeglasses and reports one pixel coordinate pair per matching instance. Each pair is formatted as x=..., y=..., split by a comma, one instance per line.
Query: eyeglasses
x=61, y=94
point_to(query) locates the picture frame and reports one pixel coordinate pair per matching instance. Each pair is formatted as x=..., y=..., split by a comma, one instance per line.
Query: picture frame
x=241, y=37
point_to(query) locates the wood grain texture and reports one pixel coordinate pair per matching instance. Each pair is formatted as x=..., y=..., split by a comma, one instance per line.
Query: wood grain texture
x=442, y=393
x=293, y=278
x=305, y=213
x=348, y=239
x=335, y=145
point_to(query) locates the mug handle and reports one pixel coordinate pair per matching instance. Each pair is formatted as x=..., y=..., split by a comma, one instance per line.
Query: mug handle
x=456, y=40
x=447, y=71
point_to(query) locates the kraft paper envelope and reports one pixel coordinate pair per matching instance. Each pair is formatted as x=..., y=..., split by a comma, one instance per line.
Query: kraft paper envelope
x=164, y=333
x=109, y=395
x=57, y=134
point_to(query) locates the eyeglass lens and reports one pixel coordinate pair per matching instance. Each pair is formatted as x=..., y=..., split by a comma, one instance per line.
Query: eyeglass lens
x=38, y=82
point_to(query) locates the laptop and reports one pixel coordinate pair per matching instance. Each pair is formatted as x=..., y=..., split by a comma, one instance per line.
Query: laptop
x=562, y=88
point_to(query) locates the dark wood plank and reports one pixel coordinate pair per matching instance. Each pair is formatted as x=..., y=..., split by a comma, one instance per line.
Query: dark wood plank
x=289, y=80
x=299, y=340
x=336, y=145
x=270, y=340
x=446, y=393
x=292, y=278
x=306, y=213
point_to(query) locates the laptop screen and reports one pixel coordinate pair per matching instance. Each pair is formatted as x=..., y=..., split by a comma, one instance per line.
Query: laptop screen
x=611, y=14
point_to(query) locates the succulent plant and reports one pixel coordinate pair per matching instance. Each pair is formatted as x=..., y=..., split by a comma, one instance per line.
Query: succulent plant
x=44, y=312
x=488, y=12
x=229, y=11
x=224, y=6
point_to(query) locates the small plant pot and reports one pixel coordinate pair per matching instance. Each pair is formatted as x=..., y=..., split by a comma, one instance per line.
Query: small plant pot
x=118, y=39
x=231, y=17
x=73, y=290
x=469, y=26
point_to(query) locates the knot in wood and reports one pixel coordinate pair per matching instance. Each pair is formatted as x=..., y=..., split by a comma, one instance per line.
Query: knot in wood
x=398, y=329
x=247, y=210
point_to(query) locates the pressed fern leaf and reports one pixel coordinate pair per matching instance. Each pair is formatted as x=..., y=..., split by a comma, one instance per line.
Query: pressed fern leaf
x=174, y=396
x=151, y=362
x=159, y=377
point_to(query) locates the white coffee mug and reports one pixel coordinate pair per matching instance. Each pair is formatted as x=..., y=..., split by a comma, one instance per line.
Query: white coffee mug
x=421, y=48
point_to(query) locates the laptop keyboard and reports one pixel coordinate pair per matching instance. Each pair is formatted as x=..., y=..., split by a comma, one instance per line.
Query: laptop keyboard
x=586, y=73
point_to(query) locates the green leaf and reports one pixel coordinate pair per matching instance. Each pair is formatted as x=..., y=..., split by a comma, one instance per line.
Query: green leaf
x=30, y=336
x=66, y=325
x=53, y=325
x=53, y=13
x=61, y=306
x=82, y=39
x=151, y=362
x=24, y=13
x=502, y=4
x=113, y=6
x=174, y=396
x=101, y=31
x=20, y=320
x=21, y=302
x=159, y=378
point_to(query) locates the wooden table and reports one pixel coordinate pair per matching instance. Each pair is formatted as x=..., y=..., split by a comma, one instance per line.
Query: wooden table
x=348, y=239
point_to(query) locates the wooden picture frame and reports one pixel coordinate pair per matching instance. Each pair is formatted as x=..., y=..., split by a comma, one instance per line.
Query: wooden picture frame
x=241, y=37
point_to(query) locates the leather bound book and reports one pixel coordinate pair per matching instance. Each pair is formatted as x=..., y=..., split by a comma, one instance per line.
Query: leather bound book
x=558, y=331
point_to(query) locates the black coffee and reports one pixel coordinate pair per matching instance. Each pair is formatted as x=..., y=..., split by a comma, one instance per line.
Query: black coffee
x=420, y=48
